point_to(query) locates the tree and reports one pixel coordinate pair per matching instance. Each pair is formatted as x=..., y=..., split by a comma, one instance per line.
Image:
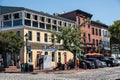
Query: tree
x=9, y=42
x=114, y=29
x=71, y=38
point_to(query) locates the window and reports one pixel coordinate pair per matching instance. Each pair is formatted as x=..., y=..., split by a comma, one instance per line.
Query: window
x=27, y=22
x=17, y=22
x=42, y=25
x=54, y=28
x=7, y=17
x=69, y=24
x=28, y=15
x=59, y=28
x=48, y=20
x=35, y=24
x=30, y=35
x=88, y=37
x=93, y=41
x=18, y=33
x=48, y=26
x=84, y=38
x=92, y=31
x=7, y=24
x=35, y=17
x=46, y=53
x=59, y=57
x=105, y=34
x=30, y=57
x=65, y=24
x=38, y=36
x=88, y=25
x=53, y=38
x=42, y=19
x=60, y=23
x=17, y=15
x=45, y=37
x=96, y=31
x=78, y=20
x=53, y=56
x=54, y=22
x=58, y=41
x=99, y=32
x=96, y=42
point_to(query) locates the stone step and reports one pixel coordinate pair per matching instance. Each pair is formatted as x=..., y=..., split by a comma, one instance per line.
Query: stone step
x=12, y=69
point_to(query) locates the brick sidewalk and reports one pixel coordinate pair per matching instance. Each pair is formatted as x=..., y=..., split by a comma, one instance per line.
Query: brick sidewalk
x=16, y=70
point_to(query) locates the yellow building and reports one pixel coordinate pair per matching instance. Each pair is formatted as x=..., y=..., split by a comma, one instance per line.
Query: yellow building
x=34, y=28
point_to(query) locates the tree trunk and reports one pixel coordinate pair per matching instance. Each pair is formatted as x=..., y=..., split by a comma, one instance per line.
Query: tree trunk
x=4, y=60
x=74, y=55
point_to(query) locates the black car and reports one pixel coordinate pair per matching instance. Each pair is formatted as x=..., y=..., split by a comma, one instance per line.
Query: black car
x=87, y=64
x=95, y=61
x=115, y=61
x=105, y=59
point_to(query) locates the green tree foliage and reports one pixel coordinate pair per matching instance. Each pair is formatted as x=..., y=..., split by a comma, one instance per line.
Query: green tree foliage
x=10, y=42
x=70, y=36
x=115, y=30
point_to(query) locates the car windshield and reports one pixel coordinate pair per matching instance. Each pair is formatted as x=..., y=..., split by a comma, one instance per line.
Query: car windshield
x=111, y=58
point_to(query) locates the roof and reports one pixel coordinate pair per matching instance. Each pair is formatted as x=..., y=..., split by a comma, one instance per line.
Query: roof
x=8, y=9
x=77, y=11
x=99, y=23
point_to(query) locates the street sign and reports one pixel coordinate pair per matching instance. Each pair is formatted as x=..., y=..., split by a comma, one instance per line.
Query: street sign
x=49, y=49
x=28, y=48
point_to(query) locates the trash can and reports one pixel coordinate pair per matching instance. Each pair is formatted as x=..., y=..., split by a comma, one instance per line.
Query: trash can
x=30, y=67
x=24, y=67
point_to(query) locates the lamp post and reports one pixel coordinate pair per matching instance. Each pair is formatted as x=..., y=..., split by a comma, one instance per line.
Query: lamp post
x=26, y=36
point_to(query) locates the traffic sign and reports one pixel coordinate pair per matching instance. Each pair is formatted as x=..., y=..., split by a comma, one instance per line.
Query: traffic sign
x=28, y=48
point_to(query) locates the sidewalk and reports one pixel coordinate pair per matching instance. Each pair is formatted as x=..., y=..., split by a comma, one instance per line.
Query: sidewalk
x=58, y=71
x=37, y=71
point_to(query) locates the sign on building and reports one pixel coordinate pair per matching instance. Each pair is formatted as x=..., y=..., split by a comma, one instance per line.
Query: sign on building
x=47, y=61
x=49, y=49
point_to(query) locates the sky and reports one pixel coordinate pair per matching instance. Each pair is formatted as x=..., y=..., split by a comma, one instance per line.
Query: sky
x=106, y=11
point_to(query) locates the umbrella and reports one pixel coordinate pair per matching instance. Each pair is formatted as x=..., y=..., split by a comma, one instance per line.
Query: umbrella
x=79, y=54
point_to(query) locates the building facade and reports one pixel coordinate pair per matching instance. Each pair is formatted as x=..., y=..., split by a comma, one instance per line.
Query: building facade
x=93, y=30
x=33, y=27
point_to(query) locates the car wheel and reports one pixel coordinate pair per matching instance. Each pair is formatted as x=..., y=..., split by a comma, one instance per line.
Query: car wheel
x=109, y=65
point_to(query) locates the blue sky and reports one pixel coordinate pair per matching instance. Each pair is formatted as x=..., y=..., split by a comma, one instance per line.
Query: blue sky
x=106, y=11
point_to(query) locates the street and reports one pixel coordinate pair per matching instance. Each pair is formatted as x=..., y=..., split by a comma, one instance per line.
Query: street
x=108, y=73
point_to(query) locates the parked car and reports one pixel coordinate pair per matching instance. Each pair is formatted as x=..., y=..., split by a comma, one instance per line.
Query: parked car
x=118, y=58
x=115, y=61
x=103, y=64
x=87, y=64
x=95, y=61
x=108, y=61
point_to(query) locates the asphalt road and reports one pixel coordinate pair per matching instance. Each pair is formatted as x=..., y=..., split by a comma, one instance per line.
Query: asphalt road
x=108, y=73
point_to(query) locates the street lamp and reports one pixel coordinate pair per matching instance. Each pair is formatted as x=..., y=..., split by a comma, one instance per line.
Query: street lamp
x=26, y=36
